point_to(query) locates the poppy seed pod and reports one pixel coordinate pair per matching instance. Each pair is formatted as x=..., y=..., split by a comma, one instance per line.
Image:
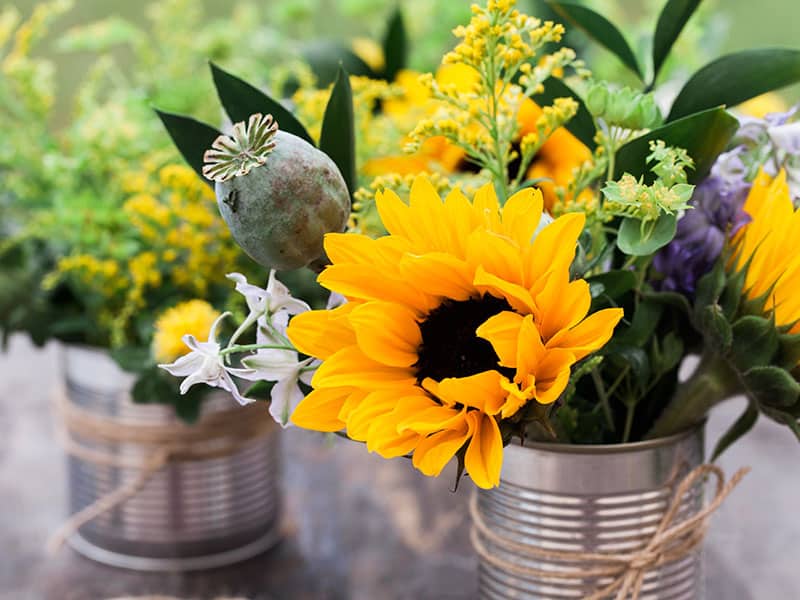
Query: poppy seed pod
x=277, y=193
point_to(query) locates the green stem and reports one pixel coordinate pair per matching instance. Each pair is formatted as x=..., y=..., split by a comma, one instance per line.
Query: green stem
x=712, y=382
x=601, y=392
x=250, y=347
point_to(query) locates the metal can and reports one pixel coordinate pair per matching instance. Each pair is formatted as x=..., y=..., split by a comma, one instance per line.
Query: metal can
x=587, y=499
x=189, y=514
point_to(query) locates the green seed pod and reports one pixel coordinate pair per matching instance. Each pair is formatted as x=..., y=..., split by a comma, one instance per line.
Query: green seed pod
x=277, y=193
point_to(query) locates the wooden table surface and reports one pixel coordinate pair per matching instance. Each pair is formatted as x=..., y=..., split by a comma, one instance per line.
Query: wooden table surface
x=357, y=527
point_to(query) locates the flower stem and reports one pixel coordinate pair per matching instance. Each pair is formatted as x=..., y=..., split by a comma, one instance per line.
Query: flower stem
x=249, y=347
x=712, y=382
x=601, y=392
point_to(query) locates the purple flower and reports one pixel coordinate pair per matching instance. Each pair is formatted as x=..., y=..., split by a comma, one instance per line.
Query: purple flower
x=702, y=232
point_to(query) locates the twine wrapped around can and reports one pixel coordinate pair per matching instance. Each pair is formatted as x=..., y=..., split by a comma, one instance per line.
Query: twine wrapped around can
x=670, y=542
x=153, y=493
x=571, y=522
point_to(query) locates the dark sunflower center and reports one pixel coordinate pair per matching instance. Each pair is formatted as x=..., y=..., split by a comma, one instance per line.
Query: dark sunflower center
x=450, y=347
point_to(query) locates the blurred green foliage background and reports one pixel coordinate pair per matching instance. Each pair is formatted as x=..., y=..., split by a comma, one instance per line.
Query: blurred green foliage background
x=723, y=26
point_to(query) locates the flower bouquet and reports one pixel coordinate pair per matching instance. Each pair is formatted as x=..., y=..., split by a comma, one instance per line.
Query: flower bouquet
x=520, y=280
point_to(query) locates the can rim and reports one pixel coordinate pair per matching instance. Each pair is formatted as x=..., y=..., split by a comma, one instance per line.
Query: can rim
x=610, y=448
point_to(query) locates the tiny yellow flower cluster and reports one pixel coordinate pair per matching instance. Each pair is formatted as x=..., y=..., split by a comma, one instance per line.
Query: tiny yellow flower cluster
x=552, y=117
x=175, y=239
x=194, y=317
x=479, y=111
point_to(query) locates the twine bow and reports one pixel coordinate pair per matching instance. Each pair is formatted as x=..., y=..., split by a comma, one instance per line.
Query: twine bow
x=215, y=435
x=670, y=542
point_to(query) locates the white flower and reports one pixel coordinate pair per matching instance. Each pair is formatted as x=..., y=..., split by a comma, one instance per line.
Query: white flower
x=282, y=367
x=205, y=364
x=273, y=305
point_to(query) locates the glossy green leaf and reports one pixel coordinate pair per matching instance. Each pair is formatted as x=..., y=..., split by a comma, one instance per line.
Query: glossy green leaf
x=324, y=57
x=671, y=21
x=599, y=29
x=338, y=139
x=734, y=78
x=742, y=425
x=395, y=46
x=631, y=241
x=240, y=100
x=192, y=138
x=610, y=286
x=582, y=124
x=703, y=135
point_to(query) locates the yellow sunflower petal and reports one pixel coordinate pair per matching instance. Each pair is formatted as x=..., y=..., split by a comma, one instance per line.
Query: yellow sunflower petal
x=486, y=207
x=521, y=215
x=365, y=283
x=567, y=303
x=434, y=452
x=387, y=332
x=351, y=367
x=320, y=409
x=484, y=456
x=384, y=439
x=517, y=296
x=460, y=219
x=432, y=419
x=590, y=334
x=395, y=214
x=482, y=391
x=553, y=248
x=530, y=348
x=502, y=332
x=439, y=274
x=552, y=375
x=495, y=254
x=322, y=333
x=374, y=405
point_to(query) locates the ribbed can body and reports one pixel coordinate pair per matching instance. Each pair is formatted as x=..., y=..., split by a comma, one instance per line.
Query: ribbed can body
x=599, y=499
x=190, y=514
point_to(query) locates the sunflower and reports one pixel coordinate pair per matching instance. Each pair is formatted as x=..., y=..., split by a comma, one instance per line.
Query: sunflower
x=765, y=248
x=457, y=319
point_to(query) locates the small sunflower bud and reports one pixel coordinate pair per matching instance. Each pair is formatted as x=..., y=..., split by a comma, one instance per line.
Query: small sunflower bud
x=277, y=193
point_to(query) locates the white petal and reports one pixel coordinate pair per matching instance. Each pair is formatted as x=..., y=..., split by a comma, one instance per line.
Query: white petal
x=185, y=365
x=226, y=383
x=212, y=334
x=191, y=380
x=284, y=398
x=335, y=300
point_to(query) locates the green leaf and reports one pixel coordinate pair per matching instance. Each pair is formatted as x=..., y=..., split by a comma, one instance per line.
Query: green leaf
x=338, y=138
x=611, y=285
x=772, y=386
x=395, y=46
x=742, y=425
x=732, y=294
x=132, y=358
x=717, y=329
x=599, y=29
x=631, y=241
x=641, y=327
x=755, y=342
x=582, y=124
x=672, y=299
x=191, y=137
x=734, y=78
x=789, y=349
x=325, y=57
x=703, y=135
x=671, y=21
x=710, y=287
x=240, y=100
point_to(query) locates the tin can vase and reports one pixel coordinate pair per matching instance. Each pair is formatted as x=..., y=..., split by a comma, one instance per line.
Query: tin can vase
x=214, y=502
x=567, y=501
